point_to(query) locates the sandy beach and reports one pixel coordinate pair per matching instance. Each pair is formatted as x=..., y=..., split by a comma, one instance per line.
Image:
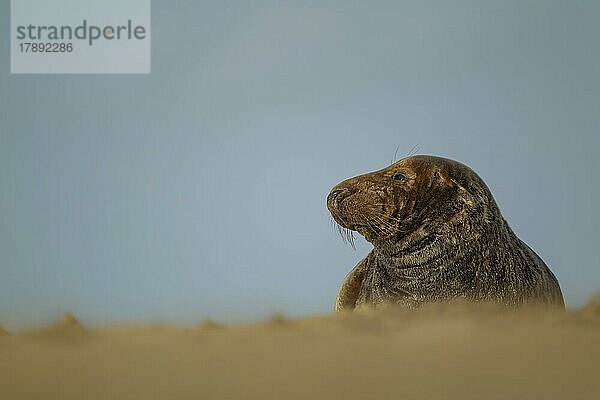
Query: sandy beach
x=444, y=351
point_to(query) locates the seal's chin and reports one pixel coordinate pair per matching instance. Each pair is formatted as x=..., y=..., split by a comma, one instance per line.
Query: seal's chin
x=371, y=233
x=367, y=229
x=343, y=223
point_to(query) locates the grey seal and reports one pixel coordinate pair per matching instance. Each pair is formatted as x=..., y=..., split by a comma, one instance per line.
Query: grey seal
x=438, y=235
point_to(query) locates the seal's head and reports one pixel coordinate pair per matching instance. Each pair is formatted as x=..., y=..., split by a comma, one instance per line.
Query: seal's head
x=419, y=197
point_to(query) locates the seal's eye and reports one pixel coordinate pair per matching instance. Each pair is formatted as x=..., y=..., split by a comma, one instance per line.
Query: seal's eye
x=399, y=176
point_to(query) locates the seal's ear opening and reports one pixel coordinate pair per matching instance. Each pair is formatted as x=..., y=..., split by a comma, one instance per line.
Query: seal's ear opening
x=443, y=178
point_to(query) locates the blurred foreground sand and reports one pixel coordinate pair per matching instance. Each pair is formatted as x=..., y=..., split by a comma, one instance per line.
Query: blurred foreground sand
x=442, y=352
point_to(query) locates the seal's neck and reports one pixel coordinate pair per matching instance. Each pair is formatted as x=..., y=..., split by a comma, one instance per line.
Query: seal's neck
x=415, y=249
x=428, y=244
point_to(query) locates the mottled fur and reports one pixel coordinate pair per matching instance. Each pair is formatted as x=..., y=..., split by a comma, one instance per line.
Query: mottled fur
x=438, y=235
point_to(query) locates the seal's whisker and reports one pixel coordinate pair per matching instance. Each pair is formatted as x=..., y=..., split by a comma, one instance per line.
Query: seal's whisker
x=346, y=234
x=349, y=237
x=385, y=221
x=366, y=221
x=414, y=150
x=395, y=155
x=331, y=221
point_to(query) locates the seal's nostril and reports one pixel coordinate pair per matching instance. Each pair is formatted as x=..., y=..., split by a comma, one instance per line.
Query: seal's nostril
x=334, y=193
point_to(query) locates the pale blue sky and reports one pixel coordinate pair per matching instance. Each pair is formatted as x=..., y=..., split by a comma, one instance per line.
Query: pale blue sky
x=199, y=190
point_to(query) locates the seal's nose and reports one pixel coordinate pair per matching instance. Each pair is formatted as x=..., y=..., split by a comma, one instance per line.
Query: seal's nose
x=335, y=194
